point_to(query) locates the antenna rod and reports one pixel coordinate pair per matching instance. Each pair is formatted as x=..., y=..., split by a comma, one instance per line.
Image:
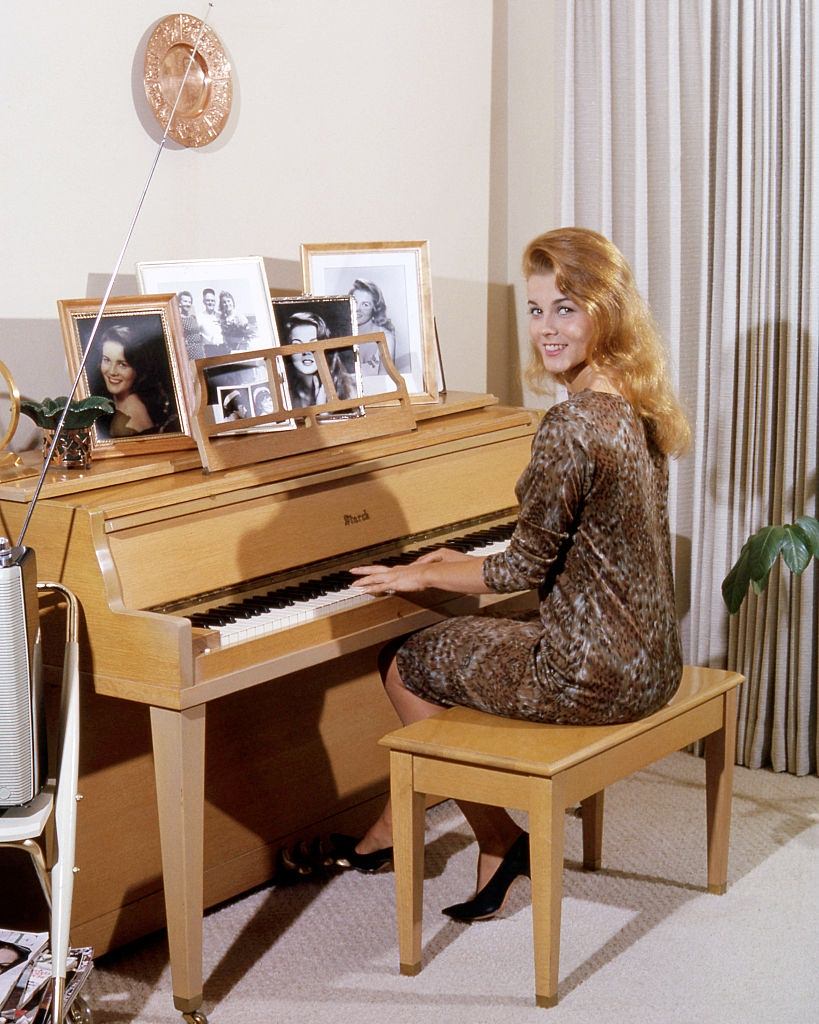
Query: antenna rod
x=110, y=285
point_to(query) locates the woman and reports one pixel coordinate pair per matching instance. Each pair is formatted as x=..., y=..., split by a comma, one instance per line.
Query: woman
x=128, y=373
x=237, y=331
x=592, y=537
x=302, y=369
x=371, y=316
x=191, y=331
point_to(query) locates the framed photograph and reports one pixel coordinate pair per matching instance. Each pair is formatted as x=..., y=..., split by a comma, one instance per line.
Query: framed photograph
x=391, y=287
x=224, y=304
x=301, y=319
x=242, y=389
x=137, y=359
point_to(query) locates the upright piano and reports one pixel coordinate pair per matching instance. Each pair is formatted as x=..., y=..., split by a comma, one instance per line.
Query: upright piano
x=165, y=561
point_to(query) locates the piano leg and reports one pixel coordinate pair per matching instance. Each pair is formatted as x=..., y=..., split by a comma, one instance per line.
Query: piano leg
x=179, y=767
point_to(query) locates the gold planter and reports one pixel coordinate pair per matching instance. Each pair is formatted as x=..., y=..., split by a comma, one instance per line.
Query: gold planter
x=73, y=450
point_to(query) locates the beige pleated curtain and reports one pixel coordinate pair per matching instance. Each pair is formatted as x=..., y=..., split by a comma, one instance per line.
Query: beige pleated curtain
x=689, y=137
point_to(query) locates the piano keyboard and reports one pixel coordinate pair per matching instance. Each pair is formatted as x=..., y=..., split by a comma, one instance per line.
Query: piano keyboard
x=261, y=614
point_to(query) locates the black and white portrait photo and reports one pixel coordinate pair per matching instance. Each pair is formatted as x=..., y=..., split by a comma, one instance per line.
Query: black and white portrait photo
x=134, y=361
x=261, y=398
x=235, y=402
x=389, y=285
x=302, y=319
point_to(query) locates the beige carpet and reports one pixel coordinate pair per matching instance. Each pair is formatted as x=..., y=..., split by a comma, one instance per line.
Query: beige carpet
x=642, y=941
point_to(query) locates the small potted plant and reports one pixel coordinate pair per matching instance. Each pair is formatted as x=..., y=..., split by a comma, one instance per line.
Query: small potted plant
x=797, y=543
x=73, y=450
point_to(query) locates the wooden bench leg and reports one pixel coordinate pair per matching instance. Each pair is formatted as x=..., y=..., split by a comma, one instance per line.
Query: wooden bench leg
x=408, y=857
x=592, y=815
x=720, y=752
x=546, y=809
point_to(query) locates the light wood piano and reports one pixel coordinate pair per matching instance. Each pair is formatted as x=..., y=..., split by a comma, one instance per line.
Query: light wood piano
x=149, y=544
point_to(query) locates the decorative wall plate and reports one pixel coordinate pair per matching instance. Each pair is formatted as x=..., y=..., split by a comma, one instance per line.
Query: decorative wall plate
x=208, y=93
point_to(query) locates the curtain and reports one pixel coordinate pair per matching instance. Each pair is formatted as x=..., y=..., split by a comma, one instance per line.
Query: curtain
x=688, y=138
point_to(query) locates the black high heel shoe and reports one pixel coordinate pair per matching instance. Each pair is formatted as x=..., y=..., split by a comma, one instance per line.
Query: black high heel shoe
x=491, y=898
x=344, y=854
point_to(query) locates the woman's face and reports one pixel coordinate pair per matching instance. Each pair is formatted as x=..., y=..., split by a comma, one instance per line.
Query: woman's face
x=117, y=372
x=227, y=304
x=559, y=329
x=8, y=957
x=264, y=403
x=363, y=306
x=304, y=362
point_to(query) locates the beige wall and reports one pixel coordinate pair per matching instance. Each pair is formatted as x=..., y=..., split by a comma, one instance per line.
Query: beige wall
x=357, y=121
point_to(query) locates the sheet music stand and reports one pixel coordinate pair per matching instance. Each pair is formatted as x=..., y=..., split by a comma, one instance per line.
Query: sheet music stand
x=313, y=427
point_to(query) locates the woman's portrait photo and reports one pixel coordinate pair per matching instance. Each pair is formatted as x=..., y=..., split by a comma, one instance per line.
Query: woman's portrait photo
x=390, y=287
x=262, y=400
x=11, y=955
x=302, y=319
x=134, y=360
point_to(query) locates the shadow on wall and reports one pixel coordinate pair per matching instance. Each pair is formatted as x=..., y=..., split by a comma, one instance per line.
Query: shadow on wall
x=34, y=353
x=682, y=574
x=503, y=357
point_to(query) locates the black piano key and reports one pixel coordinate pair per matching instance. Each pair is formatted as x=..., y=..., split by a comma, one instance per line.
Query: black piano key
x=211, y=618
x=265, y=604
x=240, y=610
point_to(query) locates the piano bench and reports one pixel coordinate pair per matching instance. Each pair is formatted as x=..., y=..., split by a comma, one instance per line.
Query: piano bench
x=543, y=769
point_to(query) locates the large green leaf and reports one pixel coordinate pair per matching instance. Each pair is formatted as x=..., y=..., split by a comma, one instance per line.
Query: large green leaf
x=809, y=527
x=763, y=550
x=735, y=584
x=795, y=551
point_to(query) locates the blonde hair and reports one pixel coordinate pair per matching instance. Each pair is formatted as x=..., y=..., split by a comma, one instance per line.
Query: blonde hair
x=626, y=342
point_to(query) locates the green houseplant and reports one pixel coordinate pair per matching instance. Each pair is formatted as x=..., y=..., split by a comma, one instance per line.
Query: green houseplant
x=797, y=543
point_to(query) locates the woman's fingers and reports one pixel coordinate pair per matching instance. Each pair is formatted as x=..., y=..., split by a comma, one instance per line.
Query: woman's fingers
x=382, y=579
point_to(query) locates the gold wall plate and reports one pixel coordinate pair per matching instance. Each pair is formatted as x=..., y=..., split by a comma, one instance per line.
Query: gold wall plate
x=208, y=93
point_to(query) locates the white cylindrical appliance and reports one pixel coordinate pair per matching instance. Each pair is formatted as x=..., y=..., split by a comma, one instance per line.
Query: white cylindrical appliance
x=23, y=762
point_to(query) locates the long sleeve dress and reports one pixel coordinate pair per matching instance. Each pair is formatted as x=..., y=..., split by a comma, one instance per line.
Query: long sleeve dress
x=592, y=538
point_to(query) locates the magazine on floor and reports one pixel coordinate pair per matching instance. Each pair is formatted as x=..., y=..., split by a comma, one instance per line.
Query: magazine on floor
x=25, y=980
x=18, y=950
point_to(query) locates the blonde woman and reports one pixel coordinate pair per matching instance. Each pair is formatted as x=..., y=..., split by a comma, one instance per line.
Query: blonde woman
x=591, y=538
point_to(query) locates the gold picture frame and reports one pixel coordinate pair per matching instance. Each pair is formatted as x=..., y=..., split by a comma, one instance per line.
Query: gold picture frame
x=395, y=297
x=137, y=358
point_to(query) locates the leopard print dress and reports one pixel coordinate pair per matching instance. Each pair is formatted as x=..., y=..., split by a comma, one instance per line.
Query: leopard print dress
x=592, y=537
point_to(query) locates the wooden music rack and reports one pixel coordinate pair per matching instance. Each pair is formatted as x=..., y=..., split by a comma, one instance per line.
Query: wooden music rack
x=337, y=421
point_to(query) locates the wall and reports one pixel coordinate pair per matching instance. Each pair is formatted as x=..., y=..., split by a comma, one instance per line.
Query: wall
x=535, y=104
x=364, y=121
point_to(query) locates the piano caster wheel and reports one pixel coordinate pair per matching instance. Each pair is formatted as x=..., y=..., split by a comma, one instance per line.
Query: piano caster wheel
x=79, y=1012
x=194, y=1017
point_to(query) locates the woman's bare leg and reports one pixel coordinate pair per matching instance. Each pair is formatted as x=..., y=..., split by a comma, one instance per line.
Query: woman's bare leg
x=494, y=829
